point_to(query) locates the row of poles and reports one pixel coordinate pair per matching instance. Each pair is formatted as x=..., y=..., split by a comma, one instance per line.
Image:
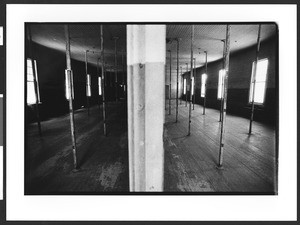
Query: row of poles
x=115, y=69
x=70, y=90
x=178, y=100
x=103, y=82
x=224, y=89
x=70, y=87
x=88, y=82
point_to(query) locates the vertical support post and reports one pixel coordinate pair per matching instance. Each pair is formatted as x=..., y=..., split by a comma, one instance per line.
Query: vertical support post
x=103, y=81
x=191, y=75
x=165, y=98
x=194, y=94
x=181, y=85
x=222, y=85
x=30, y=51
x=146, y=88
x=204, y=101
x=116, y=64
x=98, y=75
x=187, y=69
x=177, y=77
x=86, y=72
x=254, y=78
x=222, y=133
x=123, y=76
x=109, y=67
x=170, y=89
x=70, y=87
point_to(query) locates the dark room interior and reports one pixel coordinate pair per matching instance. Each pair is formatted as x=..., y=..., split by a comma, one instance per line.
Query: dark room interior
x=123, y=108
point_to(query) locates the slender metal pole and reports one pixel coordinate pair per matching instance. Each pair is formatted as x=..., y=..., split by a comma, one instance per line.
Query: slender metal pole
x=116, y=71
x=123, y=76
x=103, y=81
x=170, y=82
x=186, y=86
x=177, y=77
x=181, y=85
x=204, y=101
x=191, y=75
x=98, y=75
x=110, y=75
x=194, y=96
x=222, y=83
x=254, y=78
x=34, y=73
x=165, y=87
x=87, y=88
x=222, y=133
x=71, y=111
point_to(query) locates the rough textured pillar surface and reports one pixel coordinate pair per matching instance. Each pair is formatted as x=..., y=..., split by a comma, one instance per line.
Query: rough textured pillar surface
x=146, y=47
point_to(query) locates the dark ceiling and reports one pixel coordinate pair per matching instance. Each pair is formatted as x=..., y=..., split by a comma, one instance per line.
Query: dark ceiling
x=207, y=38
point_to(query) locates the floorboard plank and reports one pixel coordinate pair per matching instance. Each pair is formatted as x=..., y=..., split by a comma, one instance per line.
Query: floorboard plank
x=103, y=160
x=249, y=160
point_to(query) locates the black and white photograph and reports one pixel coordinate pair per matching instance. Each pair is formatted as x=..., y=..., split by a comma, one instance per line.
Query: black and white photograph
x=133, y=113
x=141, y=108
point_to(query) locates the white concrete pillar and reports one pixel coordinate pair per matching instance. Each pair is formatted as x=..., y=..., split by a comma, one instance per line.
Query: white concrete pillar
x=146, y=53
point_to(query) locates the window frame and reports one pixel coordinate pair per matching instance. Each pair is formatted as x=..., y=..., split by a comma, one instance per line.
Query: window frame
x=33, y=67
x=193, y=85
x=222, y=85
x=100, y=86
x=88, y=91
x=72, y=85
x=203, y=87
x=265, y=87
x=184, y=86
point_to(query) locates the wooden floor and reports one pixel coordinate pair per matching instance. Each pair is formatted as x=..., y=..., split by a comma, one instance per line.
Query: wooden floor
x=103, y=160
x=190, y=161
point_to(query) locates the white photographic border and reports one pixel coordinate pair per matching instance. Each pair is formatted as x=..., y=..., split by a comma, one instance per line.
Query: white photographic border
x=1, y=172
x=132, y=207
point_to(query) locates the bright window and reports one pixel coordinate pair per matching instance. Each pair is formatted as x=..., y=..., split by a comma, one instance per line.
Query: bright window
x=67, y=85
x=221, y=84
x=260, y=81
x=31, y=97
x=192, y=85
x=99, y=85
x=88, y=85
x=184, y=86
x=203, y=84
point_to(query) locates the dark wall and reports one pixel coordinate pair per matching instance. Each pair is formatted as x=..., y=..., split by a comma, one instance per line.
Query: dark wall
x=240, y=68
x=51, y=65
